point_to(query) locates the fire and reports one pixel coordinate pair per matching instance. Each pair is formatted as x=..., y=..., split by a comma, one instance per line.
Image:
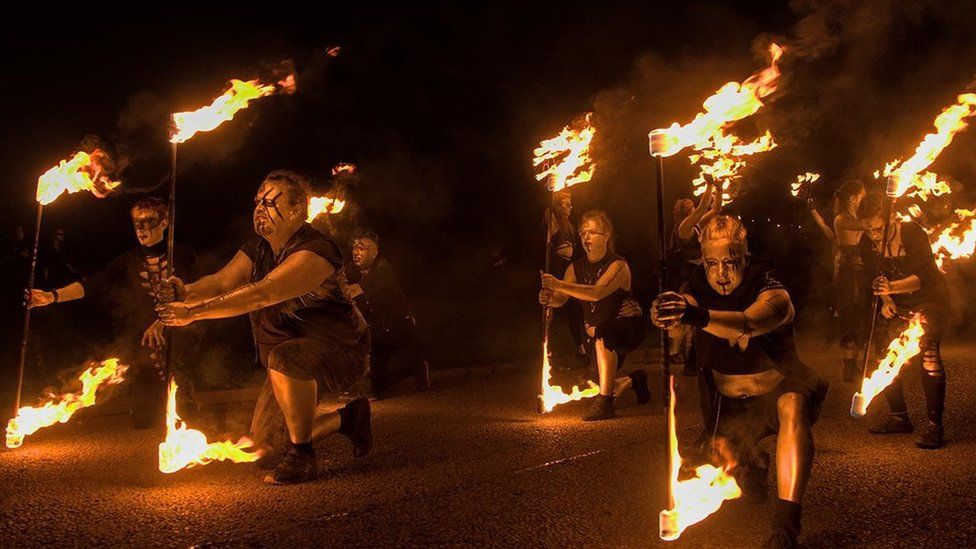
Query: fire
x=695, y=498
x=60, y=408
x=573, y=146
x=333, y=51
x=343, y=167
x=223, y=108
x=900, y=351
x=185, y=447
x=553, y=395
x=720, y=155
x=318, y=205
x=803, y=181
x=957, y=240
x=950, y=121
x=82, y=172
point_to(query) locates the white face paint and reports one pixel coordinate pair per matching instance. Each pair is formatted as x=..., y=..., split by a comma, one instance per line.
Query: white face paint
x=364, y=252
x=725, y=264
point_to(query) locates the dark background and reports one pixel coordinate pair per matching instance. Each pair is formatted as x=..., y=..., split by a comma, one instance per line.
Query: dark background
x=440, y=105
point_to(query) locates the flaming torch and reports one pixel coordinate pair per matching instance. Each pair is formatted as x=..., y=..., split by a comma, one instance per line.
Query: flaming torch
x=910, y=175
x=721, y=155
x=957, y=240
x=82, y=172
x=692, y=499
x=803, y=184
x=318, y=205
x=60, y=408
x=185, y=125
x=900, y=351
x=565, y=161
x=185, y=447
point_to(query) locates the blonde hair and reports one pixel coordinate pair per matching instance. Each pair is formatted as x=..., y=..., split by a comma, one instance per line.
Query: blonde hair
x=722, y=227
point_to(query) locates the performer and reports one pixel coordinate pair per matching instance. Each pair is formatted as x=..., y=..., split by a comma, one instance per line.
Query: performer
x=132, y=283
x=743, y=322
x=311, y=338
x=565, y=245
x=380, y=297
x=851, y=298
x=685, y=257
x=613, y=319
x=910, y=282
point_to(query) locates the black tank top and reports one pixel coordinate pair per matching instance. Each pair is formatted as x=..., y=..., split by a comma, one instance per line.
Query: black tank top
x=596, y=313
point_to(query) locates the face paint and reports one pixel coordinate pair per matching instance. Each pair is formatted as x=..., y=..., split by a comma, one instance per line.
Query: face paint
x=364, y=252
x=149, y=229
x=267, y=215
x=725, y=262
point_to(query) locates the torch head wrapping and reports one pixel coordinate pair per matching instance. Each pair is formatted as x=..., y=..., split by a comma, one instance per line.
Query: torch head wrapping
x=891, y=189
x=859, y=405
x=658, y=142
x=668, y=525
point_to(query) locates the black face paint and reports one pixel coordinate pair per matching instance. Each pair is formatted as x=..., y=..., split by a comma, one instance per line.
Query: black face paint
x=271, y=202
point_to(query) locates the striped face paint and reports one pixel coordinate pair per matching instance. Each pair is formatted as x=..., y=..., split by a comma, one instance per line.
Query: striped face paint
x=267, y=214
x=725, y=263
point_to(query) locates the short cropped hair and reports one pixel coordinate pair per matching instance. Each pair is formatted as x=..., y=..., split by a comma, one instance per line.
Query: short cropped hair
x=152, y=204
x=296, y=187
x=368, y=234
x=723, y=227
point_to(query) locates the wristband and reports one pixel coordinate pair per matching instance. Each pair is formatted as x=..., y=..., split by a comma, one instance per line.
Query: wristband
x=695, y=316
x=55, y=294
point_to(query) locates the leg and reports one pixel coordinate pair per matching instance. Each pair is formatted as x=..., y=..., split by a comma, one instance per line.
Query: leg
x=297, y=398
x=934, y=386
x=794, y=447
x=606, y=364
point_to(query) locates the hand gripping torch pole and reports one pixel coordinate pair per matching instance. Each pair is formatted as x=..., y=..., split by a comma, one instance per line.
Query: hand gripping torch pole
x=657, y=148
x=858, y=406
x=547, y=310
x=27, y=308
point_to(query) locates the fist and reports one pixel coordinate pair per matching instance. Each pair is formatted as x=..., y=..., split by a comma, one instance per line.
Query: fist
x=171, y=289
x=667, y=309
x=550, y=282
x=545, y=297
x=889, y=309
x=38, y=298
x=174, y=314
x=881, y=286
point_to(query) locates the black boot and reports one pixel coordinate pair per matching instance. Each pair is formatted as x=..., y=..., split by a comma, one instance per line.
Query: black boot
x=601, y=408
x=933, y=437
x=297, y=465
x=355, y=424
x=786, y=525
x=893, y=423
x=638, y=381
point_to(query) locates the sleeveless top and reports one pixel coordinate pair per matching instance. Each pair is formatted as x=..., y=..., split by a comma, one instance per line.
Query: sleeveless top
x=596, y=313
x=913, y=258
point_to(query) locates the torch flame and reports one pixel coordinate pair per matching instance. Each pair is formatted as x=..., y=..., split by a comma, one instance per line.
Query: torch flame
x=695, y=498
x=318, y=205
x=950, y=121
x=553, y=395
x=82, y=172
x=957, y=240
x=59, y=409
x=185, y=447
x=900, y=351
x=573, y=146
x=223, y=108
x=720, y=154
x=343, y=167
x=803, y=180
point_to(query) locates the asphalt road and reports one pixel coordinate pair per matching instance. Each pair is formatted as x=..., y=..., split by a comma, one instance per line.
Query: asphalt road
x=471, y=463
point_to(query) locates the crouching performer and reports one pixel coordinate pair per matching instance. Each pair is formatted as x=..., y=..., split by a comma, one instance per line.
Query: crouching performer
x=311, y=338
x=743, y=336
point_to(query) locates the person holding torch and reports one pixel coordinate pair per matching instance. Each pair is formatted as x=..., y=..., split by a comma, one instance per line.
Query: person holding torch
x=743, y=331
x=311, y=338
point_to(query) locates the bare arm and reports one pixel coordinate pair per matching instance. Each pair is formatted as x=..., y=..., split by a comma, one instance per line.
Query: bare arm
x=771, y=310
x=617, y=276
x=848, y=223
x=821, y=224
x=71, y=292
x=235, y=273
x=300, y=274
x=687, y=227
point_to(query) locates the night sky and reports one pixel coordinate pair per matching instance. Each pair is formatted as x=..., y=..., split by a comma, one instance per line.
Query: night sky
x=440, y=105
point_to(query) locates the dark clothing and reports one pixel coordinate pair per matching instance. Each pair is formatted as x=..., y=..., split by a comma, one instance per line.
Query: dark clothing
x=913, y=258
x=622, y=335
x=391, y=324
x=774, y=349
x=599, y=312
x=852, y=296
x=684, y=256
x=130, y=283
x=324, y=313
x=746, y=421
x=304, y=358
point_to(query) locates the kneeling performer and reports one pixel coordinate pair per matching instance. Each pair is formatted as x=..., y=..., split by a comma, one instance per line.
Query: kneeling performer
x=743, y=321
x=289, y=278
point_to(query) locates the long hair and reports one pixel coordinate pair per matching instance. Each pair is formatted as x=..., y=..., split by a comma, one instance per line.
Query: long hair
x=844, y=193
x=603, y=219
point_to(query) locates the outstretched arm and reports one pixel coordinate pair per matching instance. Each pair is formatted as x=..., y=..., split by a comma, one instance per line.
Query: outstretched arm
x=300, y=274
x=234, y=274
x=617, y=276
x=821, y=223
x=552, y=298
x=687, y=227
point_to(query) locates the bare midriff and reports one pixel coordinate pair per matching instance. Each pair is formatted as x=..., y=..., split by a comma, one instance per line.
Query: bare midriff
x=746, y=385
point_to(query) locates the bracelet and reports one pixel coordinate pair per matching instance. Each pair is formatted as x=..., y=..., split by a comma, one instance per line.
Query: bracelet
x=695, y=316
x=55, y=294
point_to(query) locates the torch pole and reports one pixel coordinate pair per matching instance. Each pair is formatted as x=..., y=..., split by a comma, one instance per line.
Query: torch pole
x=547, y=310
x=890, y=195
x=27, y=309
x=170, y=245
x=665, y=340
